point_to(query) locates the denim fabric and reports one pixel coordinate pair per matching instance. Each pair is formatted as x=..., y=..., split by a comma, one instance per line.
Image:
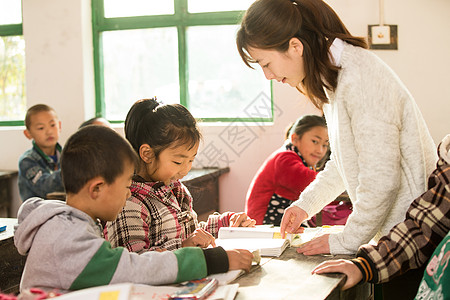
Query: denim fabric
x=38, y=174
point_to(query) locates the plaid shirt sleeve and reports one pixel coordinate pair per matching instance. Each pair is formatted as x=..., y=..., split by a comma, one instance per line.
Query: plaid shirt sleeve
x=411, y=243
x=215, y=221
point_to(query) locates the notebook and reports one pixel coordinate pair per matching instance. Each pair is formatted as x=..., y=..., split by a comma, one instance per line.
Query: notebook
x=266, y=238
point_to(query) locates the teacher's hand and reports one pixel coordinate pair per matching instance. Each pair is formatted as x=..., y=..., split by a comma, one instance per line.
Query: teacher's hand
x=292, y=219
x=318, y=245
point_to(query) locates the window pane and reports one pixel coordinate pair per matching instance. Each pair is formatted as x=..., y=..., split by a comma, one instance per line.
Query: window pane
x=12, y=78
x=197, y=6
x=138, y=64
x=220, y=84
x=10, y=12
x=121, y=8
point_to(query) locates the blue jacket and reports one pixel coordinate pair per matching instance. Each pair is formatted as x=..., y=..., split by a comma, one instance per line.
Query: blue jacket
x=39, y=174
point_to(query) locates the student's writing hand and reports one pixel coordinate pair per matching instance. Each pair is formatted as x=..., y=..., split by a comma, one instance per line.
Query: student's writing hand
x=240, y=259
x=317, y=245
x=199, y=238
x=292, y=219
x=241, y=220
x=341, y=266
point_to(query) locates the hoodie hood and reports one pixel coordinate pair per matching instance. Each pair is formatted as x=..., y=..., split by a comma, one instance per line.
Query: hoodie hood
x=444, y=149
x=33, y=213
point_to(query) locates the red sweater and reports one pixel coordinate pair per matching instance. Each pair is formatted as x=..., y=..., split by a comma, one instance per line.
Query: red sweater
x=283, y=173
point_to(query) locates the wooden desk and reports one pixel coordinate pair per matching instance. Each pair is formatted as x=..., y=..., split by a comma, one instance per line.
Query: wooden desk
x=289, y=277
x=203, y=184
x=6, y=178
x=11, y=262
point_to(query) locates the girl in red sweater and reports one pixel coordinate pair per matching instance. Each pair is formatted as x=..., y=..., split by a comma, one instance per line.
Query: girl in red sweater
x=287, y=171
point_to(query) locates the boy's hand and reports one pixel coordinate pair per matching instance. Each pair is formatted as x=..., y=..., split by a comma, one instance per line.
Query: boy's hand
x=354, y=275
x=240, y=259
x=199, y=238
x=241, y=220
x=292, y=219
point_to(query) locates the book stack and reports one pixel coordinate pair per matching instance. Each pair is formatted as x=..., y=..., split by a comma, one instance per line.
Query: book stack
x=264, y=238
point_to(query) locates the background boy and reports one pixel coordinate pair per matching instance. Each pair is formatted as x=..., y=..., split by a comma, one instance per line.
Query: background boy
x=63, y=240
x=39, y=167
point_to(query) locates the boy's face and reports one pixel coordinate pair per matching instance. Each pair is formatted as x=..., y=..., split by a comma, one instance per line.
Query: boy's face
x=44, y=129
x=172, y=164
x=114, y=195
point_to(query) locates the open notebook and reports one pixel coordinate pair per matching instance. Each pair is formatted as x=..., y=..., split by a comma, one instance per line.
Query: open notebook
x=267, y=239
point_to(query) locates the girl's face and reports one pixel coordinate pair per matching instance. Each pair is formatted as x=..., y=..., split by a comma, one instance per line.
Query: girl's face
x=286, y=67
x=312, y=145
x=172, y=164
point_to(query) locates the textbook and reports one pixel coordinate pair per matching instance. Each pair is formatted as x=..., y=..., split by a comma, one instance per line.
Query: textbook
x=268, y=232
x=263, y=237
x=266, y=246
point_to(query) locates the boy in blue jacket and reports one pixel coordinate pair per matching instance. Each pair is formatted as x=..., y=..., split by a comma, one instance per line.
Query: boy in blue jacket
x=63, y=240
x=39, y=167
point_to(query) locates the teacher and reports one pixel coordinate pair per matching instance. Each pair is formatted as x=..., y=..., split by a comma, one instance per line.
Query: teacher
x=381, y=149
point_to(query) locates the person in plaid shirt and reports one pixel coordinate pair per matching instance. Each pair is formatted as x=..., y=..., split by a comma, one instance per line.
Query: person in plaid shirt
x=159, y=214
x=410, y=244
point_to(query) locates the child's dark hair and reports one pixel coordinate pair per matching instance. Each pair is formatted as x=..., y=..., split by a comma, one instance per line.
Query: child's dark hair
x=34, y=110
x=93, y=121
x=160, y=126
x=94, y=151
x=306, y=123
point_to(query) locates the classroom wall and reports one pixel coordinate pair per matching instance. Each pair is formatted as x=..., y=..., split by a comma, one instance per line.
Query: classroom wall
x=59, y=72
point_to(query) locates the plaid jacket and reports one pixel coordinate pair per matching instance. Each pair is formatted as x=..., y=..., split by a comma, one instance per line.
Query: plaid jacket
x=411, y=243
x=158, y=216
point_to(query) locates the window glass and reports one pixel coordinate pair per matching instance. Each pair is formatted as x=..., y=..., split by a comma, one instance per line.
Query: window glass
x=10, y=12
x=12, y=78
x=121, y=8
x=197, y=6
x=220, y=84
x=140, y=63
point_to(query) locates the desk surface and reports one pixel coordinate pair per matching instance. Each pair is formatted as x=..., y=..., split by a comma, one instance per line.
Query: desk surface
x=289, y=277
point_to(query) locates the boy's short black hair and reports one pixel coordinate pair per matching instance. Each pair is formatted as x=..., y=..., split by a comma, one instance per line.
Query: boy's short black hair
x=93, y=151
x=34, y=110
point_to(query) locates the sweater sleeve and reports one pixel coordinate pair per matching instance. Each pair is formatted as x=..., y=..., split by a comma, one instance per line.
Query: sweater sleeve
x=324, y=189
x=411, y=243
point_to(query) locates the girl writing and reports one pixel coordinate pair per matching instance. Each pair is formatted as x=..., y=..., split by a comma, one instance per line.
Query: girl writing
x=159, y=214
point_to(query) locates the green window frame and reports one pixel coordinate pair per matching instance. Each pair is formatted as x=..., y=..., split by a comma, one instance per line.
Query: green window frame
x=181, y=19
x=11, y=30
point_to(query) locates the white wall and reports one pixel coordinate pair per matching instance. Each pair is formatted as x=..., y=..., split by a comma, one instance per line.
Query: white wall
x=59, y=72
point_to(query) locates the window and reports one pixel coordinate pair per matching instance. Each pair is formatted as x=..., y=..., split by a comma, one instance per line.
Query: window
x=12, y=64
x=181, y=51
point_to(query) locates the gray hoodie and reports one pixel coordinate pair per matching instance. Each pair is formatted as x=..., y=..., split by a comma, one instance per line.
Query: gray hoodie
x=66, y=251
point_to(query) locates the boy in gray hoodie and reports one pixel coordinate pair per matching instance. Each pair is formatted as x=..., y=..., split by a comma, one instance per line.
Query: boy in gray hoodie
x=63, y=240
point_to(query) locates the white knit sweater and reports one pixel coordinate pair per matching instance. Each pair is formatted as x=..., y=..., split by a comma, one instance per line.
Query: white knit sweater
x=382, y=151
